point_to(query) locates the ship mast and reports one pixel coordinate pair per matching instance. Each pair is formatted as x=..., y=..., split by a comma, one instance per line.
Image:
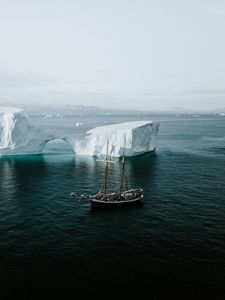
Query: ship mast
x=122, y=168
x=107, y=160
x=106, y=169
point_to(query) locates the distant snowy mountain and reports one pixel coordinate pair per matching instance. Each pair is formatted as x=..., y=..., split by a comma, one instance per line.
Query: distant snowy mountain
x=70, y=109
x=62, y=109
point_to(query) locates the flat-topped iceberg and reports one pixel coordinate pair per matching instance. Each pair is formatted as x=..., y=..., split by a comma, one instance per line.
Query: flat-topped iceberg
x=135, y=137
x=17, y=135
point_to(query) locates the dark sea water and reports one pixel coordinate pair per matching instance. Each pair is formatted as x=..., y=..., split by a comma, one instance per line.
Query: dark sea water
x=172, y=245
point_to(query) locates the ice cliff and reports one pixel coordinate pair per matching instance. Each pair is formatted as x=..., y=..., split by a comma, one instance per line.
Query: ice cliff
x=138, y=137
x=17, y=135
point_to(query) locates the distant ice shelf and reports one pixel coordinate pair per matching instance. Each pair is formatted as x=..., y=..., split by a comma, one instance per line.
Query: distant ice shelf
x=138, y=137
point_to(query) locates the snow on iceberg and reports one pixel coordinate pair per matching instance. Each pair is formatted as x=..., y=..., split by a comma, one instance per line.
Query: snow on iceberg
x=138, y=137
x=17, y=135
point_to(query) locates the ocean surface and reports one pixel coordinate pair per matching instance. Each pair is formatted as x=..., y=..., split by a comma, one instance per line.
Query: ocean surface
x=173, y=243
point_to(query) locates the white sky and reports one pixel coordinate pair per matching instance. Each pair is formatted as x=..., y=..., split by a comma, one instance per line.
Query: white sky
x=144, y=54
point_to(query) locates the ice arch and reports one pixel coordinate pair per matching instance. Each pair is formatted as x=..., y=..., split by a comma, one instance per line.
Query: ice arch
x=58, y=145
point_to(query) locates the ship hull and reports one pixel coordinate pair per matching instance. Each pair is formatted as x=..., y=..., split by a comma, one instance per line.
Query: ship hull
x=102, y=203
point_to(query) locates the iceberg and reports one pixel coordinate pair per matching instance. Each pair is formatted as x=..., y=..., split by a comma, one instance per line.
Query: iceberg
x=129, y=138
x=18, y=136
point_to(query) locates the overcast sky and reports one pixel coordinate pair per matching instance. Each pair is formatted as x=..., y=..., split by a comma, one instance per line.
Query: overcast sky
x=144, y=54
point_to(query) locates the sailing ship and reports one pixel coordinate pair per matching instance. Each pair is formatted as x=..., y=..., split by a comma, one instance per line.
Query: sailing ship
x=119, y=198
